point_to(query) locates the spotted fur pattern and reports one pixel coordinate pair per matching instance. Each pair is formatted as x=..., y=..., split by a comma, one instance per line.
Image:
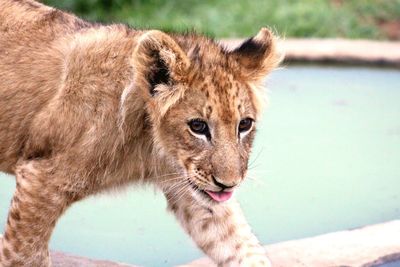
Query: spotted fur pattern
x=85, y=108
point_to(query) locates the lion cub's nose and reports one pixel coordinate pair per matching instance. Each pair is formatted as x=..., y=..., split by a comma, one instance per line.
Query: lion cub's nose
x=221, y=184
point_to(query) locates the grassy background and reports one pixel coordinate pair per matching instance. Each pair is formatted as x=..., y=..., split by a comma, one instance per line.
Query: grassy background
x=373, y=19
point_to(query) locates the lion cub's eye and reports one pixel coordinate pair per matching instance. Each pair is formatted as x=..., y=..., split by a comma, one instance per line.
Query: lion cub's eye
x=198, y=126
x=245, y=125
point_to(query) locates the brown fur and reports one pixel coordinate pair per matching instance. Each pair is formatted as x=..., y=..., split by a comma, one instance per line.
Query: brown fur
x=86, y=107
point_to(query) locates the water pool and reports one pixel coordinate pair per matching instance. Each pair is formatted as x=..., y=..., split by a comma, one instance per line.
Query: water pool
x=327, y=158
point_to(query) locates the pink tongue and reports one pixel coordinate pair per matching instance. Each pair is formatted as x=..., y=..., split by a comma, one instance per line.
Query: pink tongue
x=219, y=196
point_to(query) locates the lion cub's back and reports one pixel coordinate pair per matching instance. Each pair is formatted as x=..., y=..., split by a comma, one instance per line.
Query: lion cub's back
x=30, y=67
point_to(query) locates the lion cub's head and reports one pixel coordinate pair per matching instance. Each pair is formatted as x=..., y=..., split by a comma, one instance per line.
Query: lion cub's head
x=203, y=102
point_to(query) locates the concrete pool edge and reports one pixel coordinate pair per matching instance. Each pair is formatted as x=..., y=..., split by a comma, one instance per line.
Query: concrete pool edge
x=60, y=259
x=342, y=51
x=368, y=246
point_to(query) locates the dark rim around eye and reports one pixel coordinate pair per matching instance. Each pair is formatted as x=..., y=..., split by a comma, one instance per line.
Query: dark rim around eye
x=245, y=125
x=198, y=126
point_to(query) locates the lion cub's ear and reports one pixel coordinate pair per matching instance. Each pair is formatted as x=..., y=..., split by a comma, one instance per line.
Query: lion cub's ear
x=257, y=56
x=159, y=60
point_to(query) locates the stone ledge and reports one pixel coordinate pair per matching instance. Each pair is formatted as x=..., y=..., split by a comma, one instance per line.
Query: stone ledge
x=367, y=52
x=363, y=247
x=60, y=259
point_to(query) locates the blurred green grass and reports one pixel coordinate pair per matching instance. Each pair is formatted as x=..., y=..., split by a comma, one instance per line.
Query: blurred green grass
x=239, y=18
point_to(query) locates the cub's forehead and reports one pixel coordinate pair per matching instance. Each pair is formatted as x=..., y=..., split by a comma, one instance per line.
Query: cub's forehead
x=219, y=94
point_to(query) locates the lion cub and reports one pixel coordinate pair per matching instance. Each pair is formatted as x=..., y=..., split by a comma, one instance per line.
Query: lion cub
x=87, y=107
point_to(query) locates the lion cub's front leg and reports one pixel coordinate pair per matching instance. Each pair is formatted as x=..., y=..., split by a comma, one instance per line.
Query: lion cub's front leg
x=37, y=204
x=221, y=232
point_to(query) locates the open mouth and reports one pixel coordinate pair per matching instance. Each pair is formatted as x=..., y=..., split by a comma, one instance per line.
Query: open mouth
x=219, y=196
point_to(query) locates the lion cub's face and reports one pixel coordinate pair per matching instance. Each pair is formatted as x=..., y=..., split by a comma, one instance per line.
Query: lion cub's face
x=204, y=103
x=209, y=132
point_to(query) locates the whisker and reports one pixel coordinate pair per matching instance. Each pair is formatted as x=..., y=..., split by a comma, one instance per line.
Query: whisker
x=202, y=201
x=179, y=194
x=173, y=186
x=260, y=170
x=164, y=175
x=256, y=180
x=169, y=189
x=172, y=179
x=255, y=159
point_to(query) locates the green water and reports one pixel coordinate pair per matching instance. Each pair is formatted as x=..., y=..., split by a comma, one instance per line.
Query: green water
x=327, y=158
